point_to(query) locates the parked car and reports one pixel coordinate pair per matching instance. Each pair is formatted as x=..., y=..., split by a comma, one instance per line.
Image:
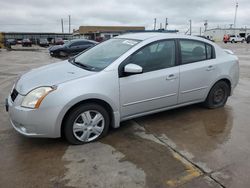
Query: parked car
x=43, y=42
x=122, y=78
x=59, y=41
x=72, y=47
x=11, y=41
x=236, y=38
x=65, y=41
x=248, y=39
x=226, y=38
x=19, y=42
x=26, y=42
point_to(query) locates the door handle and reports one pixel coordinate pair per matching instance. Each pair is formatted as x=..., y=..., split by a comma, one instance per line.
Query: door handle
x=210, y=67
x=171, y=77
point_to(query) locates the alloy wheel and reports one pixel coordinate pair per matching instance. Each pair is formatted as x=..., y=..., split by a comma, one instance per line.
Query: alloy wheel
x=88, y=126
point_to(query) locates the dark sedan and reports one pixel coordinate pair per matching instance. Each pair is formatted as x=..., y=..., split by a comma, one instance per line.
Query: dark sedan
x=43, y=42
x=248, y=39
x=26, y=42
x=72, y=47
x=11, y=41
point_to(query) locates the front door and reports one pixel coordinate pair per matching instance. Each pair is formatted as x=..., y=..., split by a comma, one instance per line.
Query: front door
x=157, y=87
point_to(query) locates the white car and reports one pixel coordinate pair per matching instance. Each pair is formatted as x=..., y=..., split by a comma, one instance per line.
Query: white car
x=236, y=38
x=122, y=78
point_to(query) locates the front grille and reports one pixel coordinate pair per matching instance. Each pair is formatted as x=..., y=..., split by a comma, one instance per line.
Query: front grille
x=14, y=95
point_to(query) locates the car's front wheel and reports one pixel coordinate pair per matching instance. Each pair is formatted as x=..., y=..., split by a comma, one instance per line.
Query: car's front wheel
x=218, y=95
x=86, y=123
x=63, y=54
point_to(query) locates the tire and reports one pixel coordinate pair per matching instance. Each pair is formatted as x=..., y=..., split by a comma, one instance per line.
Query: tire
x=63, y=54
x=232, y=41
x=218, y=95
x=243, y=41
x=79, y=126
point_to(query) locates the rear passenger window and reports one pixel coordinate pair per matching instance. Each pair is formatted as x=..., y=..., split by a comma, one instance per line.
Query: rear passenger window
x=192, y=51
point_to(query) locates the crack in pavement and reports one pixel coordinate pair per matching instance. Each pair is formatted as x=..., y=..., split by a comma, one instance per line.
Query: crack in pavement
x=191, y=165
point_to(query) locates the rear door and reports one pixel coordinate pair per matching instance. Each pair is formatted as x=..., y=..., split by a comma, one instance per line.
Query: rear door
x=197, y=70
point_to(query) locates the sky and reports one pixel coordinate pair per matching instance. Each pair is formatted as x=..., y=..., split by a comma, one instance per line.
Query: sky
x=46, y=15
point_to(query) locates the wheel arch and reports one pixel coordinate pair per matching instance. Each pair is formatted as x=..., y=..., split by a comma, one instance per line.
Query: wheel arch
x=224, y=79
x=100, y=102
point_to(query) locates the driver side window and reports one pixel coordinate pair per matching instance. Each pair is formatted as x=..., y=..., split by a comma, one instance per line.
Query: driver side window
x=155, y=56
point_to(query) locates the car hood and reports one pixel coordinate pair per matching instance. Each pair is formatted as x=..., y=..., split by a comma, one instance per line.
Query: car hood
x=50, y=75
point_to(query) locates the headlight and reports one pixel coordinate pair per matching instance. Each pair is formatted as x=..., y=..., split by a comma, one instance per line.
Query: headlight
x=34, y=98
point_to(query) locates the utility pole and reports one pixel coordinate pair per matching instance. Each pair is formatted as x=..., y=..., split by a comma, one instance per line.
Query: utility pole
x=235, y=16
x=190, y=29
x=200, y=31
x=62, y=25
x=154, y=23
x=205, y=24
x=69, y=24
x=160, y=26
x=166, y=24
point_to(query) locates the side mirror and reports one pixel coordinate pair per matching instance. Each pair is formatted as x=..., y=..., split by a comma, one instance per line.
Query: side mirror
x=132, y=69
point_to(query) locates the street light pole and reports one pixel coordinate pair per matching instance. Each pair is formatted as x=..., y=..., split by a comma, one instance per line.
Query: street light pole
x=62, y=25
x=190, y=29
x=69, y=24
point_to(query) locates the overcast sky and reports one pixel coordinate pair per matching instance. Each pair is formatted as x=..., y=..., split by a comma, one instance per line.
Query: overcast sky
x=45, y=15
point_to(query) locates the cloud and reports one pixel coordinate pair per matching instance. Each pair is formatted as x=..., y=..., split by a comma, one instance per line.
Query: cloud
x=45, y=15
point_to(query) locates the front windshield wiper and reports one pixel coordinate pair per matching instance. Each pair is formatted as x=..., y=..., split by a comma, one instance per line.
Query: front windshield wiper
x=84, y=66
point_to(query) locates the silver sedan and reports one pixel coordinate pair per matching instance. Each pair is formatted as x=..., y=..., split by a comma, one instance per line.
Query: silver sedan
x=125, y=77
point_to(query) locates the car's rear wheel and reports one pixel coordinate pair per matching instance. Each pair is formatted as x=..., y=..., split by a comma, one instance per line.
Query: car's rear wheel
x=218, y=95
x=86, y=123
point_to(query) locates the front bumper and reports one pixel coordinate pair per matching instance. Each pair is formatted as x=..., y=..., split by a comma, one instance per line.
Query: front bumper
x=32, y=122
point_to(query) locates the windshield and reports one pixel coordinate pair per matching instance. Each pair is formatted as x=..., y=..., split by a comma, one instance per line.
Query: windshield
x=102, y=55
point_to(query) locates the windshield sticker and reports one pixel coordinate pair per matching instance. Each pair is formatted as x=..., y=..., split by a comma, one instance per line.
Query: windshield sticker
x=130, y=42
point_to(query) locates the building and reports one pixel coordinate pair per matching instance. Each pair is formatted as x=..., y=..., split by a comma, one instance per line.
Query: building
x=100, y=33
x=217, y=33
x=105, y=32
x=34, y=36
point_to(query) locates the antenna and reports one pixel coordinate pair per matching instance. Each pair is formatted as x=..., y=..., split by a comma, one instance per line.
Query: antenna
x=235, y=16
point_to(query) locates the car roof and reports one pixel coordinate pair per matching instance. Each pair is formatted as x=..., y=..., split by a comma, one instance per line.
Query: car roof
x=150, y=35
x=78, y=40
